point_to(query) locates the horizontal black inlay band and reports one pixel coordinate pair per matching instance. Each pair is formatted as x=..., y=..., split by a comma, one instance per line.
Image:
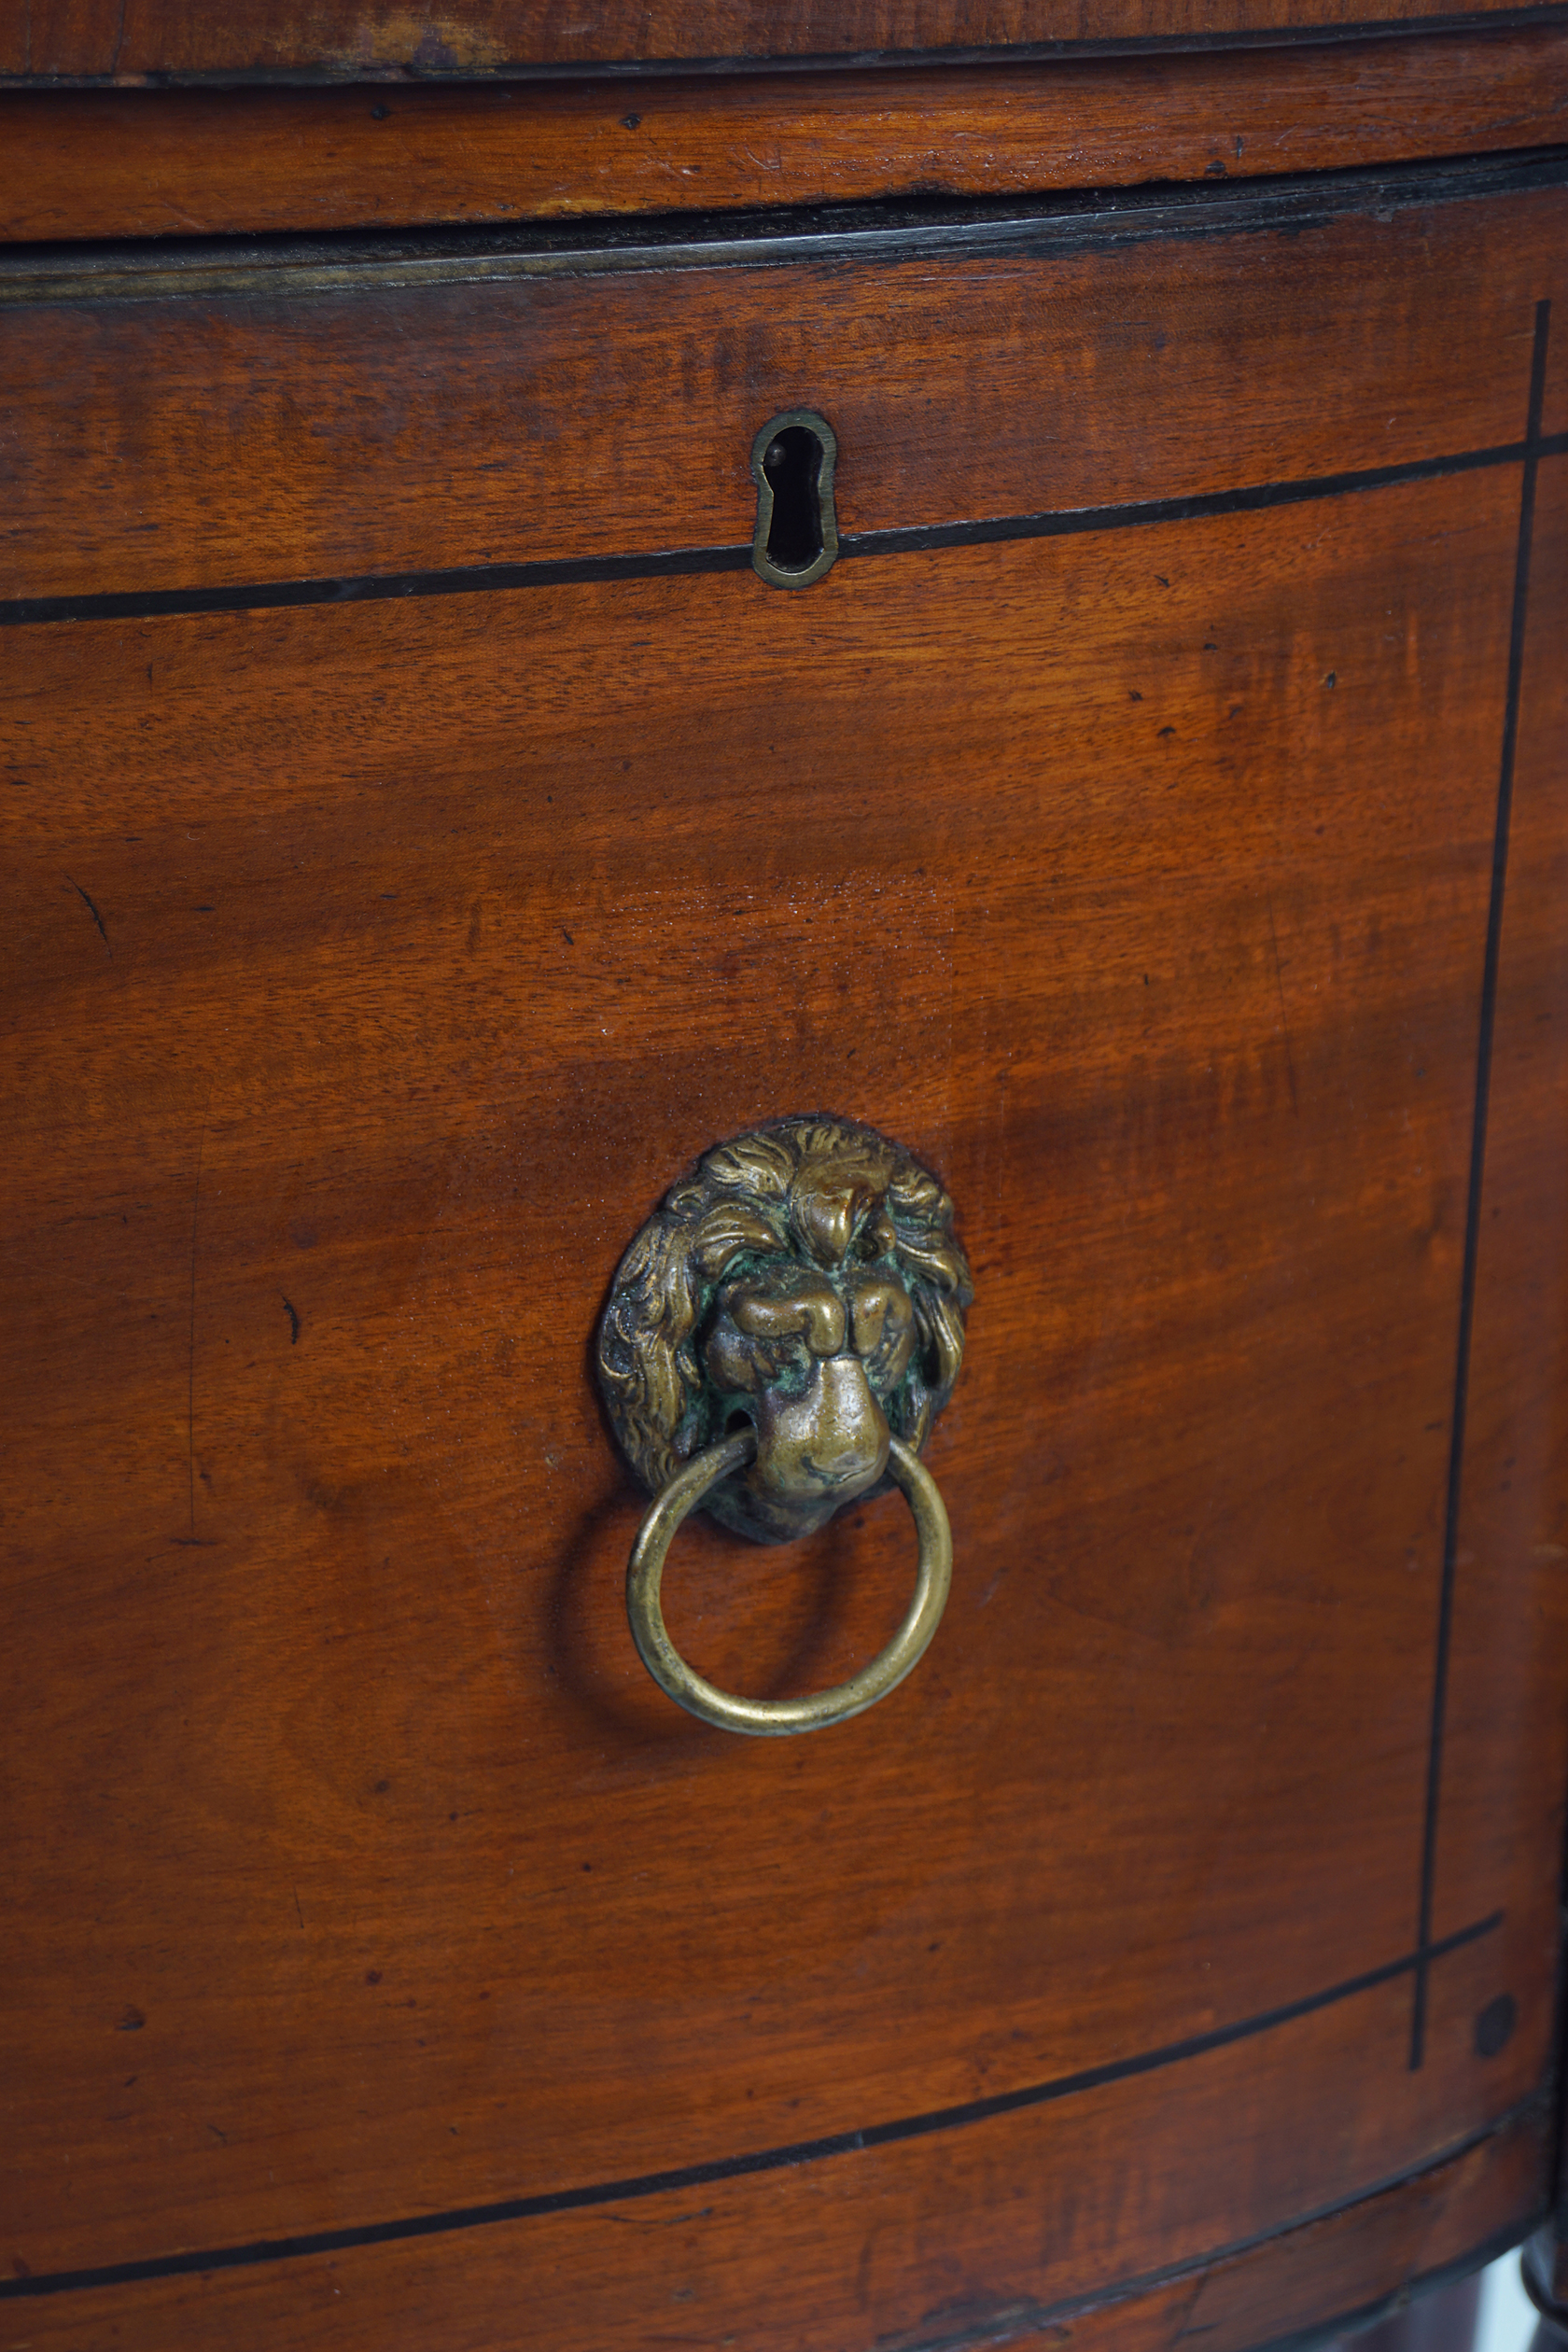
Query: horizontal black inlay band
x=766, y=2160
x=863, y=237
x=463, y=579
x=474, y=579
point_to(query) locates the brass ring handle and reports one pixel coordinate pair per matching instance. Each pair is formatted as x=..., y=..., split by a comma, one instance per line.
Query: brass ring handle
x=773, y=1718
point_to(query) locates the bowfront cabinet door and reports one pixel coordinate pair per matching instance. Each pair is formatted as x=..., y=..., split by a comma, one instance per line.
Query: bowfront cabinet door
x=428, y=835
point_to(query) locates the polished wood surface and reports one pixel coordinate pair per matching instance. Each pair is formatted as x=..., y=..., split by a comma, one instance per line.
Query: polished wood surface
x=182, y=422
x=155, y=163
x=389, y=1549
x=425, y=836
x=1514, y=1508
x=1518, y=1415
x=812, y=2260
x=109, y=40
x=374, y=968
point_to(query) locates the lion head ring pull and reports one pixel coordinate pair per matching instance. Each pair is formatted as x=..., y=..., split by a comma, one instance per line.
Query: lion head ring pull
x=777, y=1341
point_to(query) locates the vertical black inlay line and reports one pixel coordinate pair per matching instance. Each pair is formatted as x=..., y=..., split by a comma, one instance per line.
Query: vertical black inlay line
x=1477, y=1171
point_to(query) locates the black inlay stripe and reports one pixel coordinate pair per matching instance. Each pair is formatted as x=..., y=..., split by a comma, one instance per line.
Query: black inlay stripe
x=766, y=2160
x=1252, y=498
x=1533, y=450
x=886, y=234
x=917, y=539
x=463, y=579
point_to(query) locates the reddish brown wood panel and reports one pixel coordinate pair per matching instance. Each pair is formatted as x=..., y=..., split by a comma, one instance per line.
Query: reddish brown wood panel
x=289, y=427
x=370, y=39
x=185, y=162
x=361, y=1871
x=1515, y=1516
x=817, y=2258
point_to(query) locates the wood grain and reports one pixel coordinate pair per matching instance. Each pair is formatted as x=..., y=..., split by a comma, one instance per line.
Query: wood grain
x=1515, y=1461
x=152, y=163
x=123, y=40
x=1515, y=1503
x=288, y=430
x=358, y=1871
x=820, y=2258
x=388, y=1962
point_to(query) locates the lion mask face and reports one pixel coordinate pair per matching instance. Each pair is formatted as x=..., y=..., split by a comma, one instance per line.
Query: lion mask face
x=806, y=1279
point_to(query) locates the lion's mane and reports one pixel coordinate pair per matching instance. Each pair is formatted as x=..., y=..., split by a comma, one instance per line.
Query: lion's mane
x=747, y=1198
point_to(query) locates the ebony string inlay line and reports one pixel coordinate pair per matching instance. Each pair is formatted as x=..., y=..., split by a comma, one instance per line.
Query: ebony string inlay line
x=468, y=579
x=766, y=2160
x=1535, y=448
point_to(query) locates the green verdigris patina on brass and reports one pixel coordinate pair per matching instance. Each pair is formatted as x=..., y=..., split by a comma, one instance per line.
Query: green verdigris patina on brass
x=806, y=1279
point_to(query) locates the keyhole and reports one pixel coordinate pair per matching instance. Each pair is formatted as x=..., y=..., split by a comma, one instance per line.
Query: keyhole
x=792, y=464
x=792, y=461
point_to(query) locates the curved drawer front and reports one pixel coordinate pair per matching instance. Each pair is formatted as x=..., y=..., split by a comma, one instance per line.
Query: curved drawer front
x=430, y=836
x=250, y=40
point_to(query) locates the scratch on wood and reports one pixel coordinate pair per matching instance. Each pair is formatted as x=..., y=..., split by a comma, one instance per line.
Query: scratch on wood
x=1188, y=2325
x=292, y=1312
x=92, y=911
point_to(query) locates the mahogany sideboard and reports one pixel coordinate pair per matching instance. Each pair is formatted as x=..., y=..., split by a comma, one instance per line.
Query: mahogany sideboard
x=582, y=583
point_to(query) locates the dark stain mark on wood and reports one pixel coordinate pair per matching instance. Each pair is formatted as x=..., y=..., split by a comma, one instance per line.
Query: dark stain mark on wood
x=93, y=912
x=293, y=1314
x=1494, y=2026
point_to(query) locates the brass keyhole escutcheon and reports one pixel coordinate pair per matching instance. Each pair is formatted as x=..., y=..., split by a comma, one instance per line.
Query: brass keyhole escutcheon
x=792, y=463
x=777, y=1342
